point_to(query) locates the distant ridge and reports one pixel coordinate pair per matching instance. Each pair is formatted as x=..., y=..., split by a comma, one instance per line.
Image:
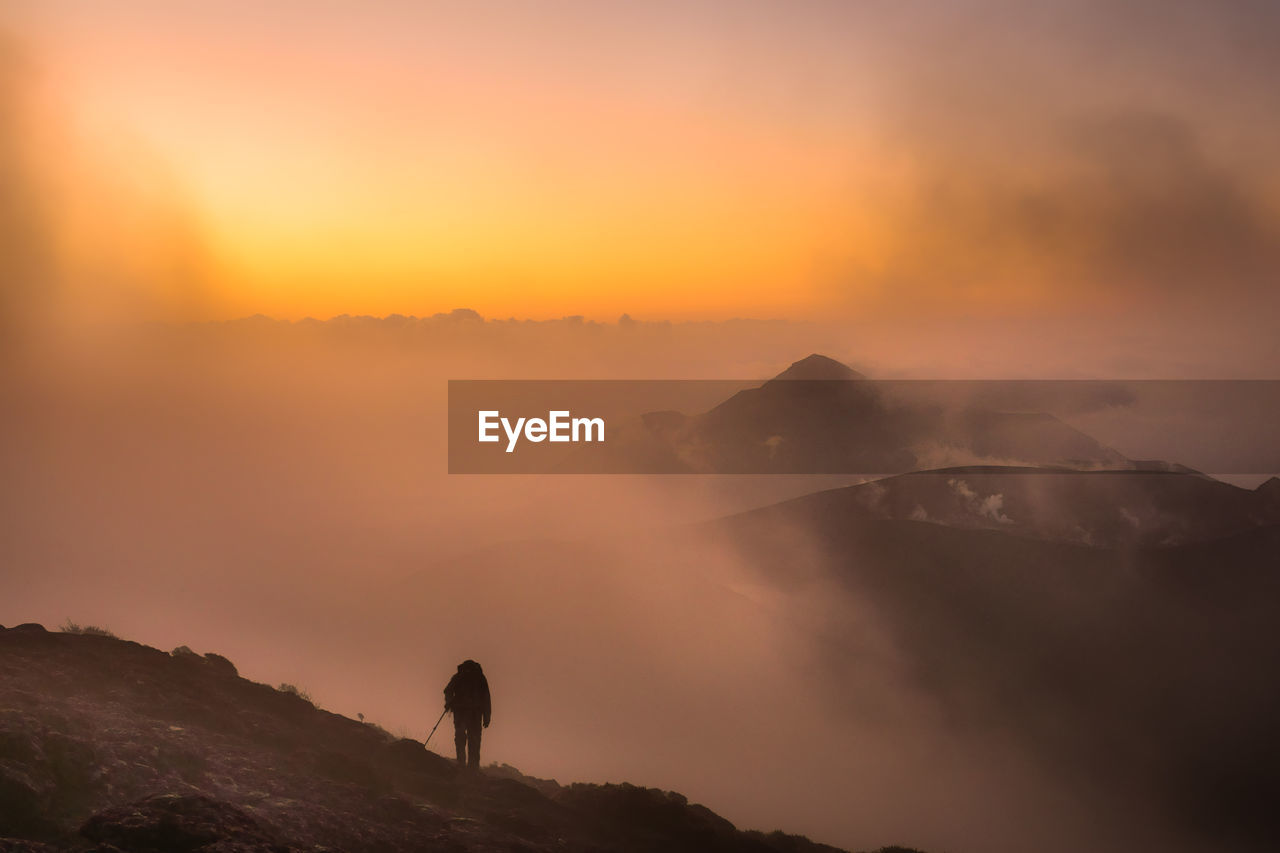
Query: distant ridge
x=1104, y=508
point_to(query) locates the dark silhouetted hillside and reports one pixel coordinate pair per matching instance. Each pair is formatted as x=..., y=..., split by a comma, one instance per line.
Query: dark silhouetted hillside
x=113, y=746
x=1099, y=508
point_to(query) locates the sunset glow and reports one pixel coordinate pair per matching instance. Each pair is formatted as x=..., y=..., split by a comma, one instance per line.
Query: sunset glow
x=681, y=160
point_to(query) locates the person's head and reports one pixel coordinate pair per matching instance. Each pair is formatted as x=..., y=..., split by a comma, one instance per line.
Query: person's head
x=469, y=665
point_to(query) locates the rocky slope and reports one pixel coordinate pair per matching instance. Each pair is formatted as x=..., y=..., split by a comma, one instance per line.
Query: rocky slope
x=1109, y=509
x=114, y=746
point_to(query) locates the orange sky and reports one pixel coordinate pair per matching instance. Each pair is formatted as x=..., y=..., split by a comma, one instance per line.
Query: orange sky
x=702, y=159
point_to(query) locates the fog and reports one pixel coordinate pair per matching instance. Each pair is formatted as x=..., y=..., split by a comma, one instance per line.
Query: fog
x=276, y=492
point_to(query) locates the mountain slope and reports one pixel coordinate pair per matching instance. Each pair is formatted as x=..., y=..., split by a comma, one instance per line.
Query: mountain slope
x=1141, y=676
x=1100, y=508
x=115, y=743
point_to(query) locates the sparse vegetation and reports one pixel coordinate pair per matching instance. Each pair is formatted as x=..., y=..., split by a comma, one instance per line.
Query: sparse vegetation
x=386, y=735
x=70, y=627
x=285, y=687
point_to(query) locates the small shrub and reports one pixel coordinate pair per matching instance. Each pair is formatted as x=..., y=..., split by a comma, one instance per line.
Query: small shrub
x=90, y=630
x=382, y=733
x=292, y=690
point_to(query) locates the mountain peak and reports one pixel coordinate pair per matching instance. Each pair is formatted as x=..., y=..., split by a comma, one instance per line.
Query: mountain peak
x=819, y=367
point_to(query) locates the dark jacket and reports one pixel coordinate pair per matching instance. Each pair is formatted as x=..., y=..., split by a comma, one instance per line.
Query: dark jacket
x=468, y=691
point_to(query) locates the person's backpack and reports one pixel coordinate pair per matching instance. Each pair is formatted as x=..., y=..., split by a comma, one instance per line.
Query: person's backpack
x=468, y=688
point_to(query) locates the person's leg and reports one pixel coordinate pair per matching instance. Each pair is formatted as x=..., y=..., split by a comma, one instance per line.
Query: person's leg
x=460, y=736
x=473, y=749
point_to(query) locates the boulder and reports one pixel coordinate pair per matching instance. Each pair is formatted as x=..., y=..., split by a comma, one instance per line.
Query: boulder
x=172, y=823
x=221, y=665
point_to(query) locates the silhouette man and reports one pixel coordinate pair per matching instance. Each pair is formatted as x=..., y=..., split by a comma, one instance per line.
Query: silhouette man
x=467, y=696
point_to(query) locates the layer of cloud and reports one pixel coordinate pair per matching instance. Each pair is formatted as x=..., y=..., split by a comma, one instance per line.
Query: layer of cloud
x=1132, y=210
x=1088, y=159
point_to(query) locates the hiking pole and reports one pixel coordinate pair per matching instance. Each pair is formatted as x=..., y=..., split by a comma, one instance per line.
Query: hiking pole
x=433, y=728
